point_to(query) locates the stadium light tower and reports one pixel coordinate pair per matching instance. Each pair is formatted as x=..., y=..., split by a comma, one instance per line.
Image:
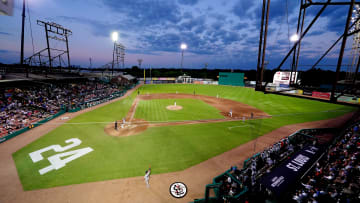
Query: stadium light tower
x=115, y=37
x=183, y=46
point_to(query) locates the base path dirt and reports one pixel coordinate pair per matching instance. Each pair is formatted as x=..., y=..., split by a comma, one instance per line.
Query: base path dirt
x=134, y=189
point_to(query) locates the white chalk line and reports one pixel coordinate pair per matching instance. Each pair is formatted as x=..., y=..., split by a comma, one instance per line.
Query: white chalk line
x=175, y=121
x=238, y=126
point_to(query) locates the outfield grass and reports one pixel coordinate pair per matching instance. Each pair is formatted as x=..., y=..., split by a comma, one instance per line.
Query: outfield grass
x=193, y=109
x=168, y=148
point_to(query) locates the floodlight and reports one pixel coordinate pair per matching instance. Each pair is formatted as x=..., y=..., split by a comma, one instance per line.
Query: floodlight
x=114, y=36
x=183, y=46
x=294, y=38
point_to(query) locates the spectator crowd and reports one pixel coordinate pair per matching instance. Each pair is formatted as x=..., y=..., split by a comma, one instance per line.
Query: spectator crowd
x=248, y=178
x=336, y=177
x=22, y=106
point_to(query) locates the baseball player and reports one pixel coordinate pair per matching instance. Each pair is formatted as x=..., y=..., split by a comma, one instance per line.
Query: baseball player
x=123, y=123
x=147, y=177
x=230, y=112
x=116, y=125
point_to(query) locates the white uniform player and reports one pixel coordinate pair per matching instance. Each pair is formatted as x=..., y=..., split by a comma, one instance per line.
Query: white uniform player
x=147, y=177
x=123, y=123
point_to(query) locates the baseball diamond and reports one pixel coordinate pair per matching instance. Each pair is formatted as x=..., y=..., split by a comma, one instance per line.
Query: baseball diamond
x=161, y=135
x=87, y=149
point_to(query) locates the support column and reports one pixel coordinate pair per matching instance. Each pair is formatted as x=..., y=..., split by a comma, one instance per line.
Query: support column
x=341, y=54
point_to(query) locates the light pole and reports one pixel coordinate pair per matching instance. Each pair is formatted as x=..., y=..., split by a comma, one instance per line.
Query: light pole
x=140, y=61
x=114, y=37
x=183, y=46
x=294, y=38
x=22, y=40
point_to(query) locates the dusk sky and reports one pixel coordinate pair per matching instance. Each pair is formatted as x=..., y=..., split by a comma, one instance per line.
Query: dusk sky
x=222, y=33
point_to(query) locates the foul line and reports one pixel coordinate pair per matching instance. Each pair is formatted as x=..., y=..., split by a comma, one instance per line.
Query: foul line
x=204, y=120
x=238, y=126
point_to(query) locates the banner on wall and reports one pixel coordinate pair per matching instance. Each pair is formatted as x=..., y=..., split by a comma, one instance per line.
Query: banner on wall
x=282, y=78
x=323, y=95
x=287, y=174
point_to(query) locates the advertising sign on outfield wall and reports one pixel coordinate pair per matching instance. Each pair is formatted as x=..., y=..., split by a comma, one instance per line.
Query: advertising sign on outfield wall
x=323, y=95
x=282, y=79
x=307, y=93
x=348, y=99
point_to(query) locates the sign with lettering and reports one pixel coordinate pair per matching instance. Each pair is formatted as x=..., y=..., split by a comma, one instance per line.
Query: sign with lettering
x=285, y=175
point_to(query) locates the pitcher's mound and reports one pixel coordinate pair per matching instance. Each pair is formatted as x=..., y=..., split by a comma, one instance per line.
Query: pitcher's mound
x=174, y=108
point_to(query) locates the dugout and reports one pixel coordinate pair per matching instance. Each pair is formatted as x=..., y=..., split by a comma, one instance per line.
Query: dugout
x=234, y=79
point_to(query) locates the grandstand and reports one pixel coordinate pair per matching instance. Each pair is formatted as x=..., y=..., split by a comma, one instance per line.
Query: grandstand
x=26, y=104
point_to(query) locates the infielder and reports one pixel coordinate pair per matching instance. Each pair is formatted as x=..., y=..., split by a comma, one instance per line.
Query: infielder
x=147, y=177
x=123, y=123
x=230, y=112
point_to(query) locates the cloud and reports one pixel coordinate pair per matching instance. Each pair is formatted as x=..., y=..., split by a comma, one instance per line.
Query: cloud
x=193, y=23
x=4, y=51
x=188, y=2
x=98, y=28
x=5, y=33
x=147, y=12
x=241, y=25
x=242, y=8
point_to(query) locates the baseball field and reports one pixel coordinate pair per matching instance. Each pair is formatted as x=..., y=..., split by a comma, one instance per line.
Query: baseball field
x=87, y=148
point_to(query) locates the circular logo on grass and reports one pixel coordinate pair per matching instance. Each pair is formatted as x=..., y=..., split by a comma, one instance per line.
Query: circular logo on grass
x=178, y=190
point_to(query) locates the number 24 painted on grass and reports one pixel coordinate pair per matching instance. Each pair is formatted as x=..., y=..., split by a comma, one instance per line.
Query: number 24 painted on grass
x=56, y=162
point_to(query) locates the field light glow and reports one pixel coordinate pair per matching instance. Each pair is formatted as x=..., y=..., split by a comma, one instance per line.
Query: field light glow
x=183, y=46
x=114, y=36
x=294, y=38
